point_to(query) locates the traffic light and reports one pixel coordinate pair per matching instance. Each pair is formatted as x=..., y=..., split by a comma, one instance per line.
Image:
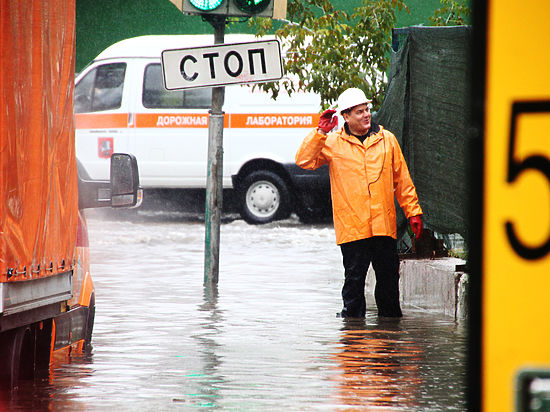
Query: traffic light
x=236, y=8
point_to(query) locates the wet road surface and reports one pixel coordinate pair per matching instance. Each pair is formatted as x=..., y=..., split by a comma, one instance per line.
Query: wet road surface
x=266, y=339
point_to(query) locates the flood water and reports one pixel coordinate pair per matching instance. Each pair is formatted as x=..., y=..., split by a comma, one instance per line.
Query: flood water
x=265, y=339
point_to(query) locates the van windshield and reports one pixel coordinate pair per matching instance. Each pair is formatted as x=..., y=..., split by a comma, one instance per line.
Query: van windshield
x=155, y=96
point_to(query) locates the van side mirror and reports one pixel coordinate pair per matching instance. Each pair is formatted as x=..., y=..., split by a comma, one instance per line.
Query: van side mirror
x=122, y=190
x=125, y=191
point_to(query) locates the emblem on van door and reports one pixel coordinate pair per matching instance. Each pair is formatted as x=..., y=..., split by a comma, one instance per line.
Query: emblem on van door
x=105, y=147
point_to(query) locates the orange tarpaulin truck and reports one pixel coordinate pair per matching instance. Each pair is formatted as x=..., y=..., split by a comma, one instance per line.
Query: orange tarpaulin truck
x=46, y=291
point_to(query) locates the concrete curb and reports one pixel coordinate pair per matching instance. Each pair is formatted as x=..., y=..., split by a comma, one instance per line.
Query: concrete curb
x=432, y=284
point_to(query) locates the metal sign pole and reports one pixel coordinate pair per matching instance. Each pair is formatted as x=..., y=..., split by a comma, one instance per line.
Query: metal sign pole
x=214, y=183
x=194, y=67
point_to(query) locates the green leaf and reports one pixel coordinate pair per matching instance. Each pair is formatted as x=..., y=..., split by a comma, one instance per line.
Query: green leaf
x=329, y=50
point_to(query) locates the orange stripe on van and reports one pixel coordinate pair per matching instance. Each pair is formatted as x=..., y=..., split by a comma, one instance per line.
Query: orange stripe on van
x=233, y=121
x=197, y=120
x=168, y=120
x=270, y=120
x=101, y=120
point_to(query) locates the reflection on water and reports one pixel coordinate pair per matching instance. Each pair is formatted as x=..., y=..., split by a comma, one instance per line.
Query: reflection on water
x=209, y=380
x=379, y=364
x=266, y=338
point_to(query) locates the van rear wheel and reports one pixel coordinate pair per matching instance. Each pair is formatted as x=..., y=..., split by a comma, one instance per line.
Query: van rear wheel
x=263, y=197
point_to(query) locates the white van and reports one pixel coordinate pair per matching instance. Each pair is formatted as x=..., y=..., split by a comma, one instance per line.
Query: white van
x=121, y=105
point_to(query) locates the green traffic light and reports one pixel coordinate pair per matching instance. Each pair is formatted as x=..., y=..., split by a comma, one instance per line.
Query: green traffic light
x=206, y=5
x=252, y=6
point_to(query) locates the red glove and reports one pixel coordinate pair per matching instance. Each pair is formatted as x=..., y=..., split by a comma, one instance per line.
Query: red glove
x=327, y=122
x=416, y=225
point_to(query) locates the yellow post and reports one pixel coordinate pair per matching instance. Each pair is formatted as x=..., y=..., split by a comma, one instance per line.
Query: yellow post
x=515, y=304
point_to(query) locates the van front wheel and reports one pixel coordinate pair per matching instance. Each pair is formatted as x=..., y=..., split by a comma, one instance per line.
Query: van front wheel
x=263, y=197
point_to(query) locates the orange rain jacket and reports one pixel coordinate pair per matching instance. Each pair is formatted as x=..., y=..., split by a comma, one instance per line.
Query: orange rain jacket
x=364, y=178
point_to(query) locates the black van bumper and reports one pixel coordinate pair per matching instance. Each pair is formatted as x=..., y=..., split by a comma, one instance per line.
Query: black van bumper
x=311, y=190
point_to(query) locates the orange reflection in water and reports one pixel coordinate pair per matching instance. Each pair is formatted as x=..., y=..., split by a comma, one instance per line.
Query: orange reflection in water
x=379, y=367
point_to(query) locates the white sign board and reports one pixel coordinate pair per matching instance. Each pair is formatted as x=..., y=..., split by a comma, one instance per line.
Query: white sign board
x=222, y=64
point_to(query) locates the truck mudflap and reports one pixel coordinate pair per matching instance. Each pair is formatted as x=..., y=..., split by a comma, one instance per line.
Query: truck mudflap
x=71, y=327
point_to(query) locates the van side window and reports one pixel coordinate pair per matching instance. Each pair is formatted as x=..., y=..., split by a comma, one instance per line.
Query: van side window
x=100, y=89
x=155, y=96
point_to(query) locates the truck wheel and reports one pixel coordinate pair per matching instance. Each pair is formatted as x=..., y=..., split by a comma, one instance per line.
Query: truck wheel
x=14, y=366
x=263, y=197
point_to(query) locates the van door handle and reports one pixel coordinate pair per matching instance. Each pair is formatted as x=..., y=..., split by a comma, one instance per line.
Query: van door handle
x=130, y=119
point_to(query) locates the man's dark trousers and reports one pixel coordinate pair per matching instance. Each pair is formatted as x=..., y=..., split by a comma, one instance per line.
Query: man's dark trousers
x=357, y=256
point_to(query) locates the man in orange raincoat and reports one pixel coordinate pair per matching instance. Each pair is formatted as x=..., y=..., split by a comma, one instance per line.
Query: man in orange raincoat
x=367, y=170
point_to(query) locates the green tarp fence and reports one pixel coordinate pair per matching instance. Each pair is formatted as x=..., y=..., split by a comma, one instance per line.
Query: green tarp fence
x=427, y=107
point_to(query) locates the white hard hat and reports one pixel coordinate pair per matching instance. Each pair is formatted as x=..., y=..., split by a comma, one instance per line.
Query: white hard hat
x=351, y=98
